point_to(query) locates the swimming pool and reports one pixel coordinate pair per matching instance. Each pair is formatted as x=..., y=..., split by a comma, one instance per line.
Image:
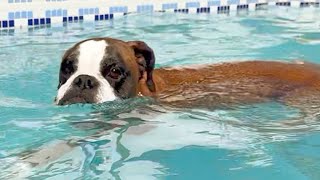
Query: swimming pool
x=136, y=139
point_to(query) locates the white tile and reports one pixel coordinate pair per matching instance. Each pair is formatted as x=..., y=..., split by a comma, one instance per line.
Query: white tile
x=233, y=7
x=192, y=10
x=295, y=4
x=213, y=9
x=252, y=6
x=271, y=3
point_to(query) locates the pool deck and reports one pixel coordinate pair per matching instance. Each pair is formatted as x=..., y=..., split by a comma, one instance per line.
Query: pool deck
x=23, y=14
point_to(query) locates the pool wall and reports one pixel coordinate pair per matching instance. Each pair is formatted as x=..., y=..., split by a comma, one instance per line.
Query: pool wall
x=45, y=13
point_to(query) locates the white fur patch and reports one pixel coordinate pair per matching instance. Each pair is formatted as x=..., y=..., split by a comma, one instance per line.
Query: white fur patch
x=90, y=57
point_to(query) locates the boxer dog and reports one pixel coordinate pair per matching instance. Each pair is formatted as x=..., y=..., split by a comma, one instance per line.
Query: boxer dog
x=105, y=69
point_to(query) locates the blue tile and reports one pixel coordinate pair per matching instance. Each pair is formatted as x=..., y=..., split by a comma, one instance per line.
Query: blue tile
x=70, y=18
x=118, y=9
x=11, y=15
x=101, y=17
x=30, y=22
x=30, y=14
x=96, y=18
x=11, y=23
x=86, y=11
x=48, y=13
x=213, y=3
x=165, y=6
x=59, y=12
x=80, y=18
x=192, y=4
x=106, y=16
x=64, y=19
x=24, y=14
x=17, y=15
x=42, y=21
x=91, y=11
x=36, y=21
x=76, y=18
x=81, y=12
x=144, y=8
x=111, y=16
x=48, y=21
x=0, y=24
x=96, y=10
x=169, y=6
x=233, y=1
x=4, y=24
x=54, y=13
x=65, y=13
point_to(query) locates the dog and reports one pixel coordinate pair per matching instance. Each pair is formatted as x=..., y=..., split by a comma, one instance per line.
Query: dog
x=98, y=70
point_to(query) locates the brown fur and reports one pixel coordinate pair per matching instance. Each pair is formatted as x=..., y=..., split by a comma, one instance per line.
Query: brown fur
x=228, y=84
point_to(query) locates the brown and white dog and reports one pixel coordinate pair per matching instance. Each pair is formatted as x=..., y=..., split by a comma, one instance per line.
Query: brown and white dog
x=105, y=69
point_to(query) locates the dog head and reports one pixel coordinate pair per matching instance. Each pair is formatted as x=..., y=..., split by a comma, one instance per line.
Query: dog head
x=104, y=69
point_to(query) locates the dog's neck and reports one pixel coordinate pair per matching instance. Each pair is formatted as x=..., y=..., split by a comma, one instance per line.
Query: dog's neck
x=166, y=79
x=143, y=89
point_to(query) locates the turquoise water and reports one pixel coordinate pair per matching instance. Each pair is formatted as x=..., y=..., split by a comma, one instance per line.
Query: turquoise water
x=137, y=139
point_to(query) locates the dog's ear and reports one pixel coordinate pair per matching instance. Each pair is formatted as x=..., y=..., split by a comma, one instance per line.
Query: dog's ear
x=145, y=59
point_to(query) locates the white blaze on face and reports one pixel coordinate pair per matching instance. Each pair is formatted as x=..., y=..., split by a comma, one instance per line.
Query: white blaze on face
x=91, y=54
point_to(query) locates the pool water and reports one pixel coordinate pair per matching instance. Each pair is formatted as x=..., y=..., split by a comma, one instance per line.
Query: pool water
x=137, y=139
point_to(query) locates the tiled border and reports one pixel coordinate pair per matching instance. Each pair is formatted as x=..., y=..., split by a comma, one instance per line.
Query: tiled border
x=33, y=13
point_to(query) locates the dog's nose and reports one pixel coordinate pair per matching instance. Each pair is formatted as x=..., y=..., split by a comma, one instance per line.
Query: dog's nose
x=85, y=82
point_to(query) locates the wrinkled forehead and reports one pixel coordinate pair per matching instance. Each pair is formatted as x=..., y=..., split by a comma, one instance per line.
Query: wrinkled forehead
x=90, y=55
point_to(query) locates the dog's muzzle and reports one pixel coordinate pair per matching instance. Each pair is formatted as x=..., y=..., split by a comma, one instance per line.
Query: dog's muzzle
x=83, y=90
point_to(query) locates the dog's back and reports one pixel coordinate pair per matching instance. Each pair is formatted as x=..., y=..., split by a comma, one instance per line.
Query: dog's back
x=233, y=83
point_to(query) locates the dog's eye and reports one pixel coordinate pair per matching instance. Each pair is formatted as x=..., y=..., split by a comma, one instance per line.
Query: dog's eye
x=67, y=67
x=115, y=73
